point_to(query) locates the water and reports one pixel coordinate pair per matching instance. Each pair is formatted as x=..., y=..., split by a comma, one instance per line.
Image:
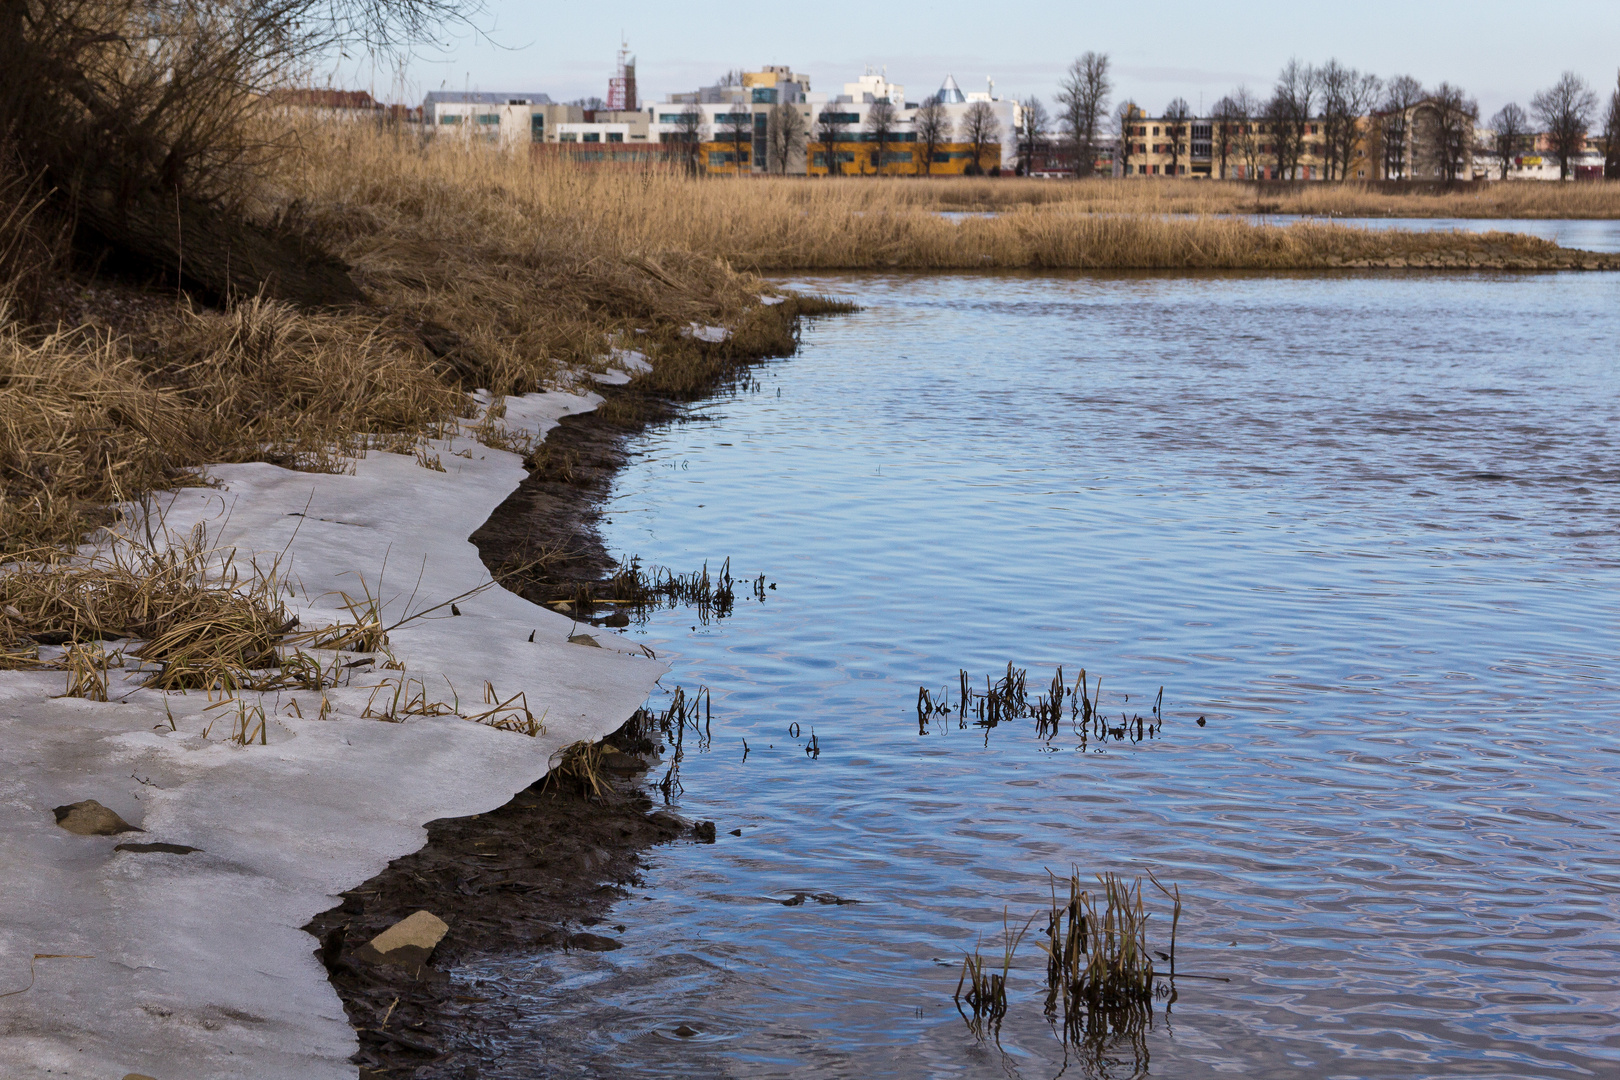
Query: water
x=1365, y=526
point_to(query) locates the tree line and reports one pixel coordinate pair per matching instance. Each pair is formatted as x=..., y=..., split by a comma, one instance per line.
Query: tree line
x=1323, y=113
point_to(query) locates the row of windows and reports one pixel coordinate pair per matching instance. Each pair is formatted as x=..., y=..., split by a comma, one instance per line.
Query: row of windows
x=590, y=136
x=482, y=118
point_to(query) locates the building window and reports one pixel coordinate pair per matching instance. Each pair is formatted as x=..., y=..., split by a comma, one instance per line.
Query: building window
x=450, y=118
x=489, y=118
x=568, y=136
x=1202, y=131
x=764, y=95
x=593, y=136
x=615, y=136
x=896, y=157
x=1155, y=131
x=669, y=118
x=537, y=128
x=841, y=118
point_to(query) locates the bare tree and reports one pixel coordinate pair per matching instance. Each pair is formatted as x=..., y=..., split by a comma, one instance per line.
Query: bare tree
x=1244, y=113
x=1289, y=113
x=785, y=133
x=1510, y=129
x=881, y=120
x=1033, y=122
x=1564, y=111
x=1224, y=129
x=689, y=131
x=1126, y=120
x=1611, y=135
x=1401, y=97
x=1176, y=117
x=832, y=130
x=736, y=128
x=1347, y=96
x=137, y=115
x=1084, y=100
x=1454, y=116
x=932, y=126
x=980, y=130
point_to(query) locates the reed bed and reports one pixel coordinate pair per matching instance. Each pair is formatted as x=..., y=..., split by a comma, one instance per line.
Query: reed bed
x=1104, y=195
x=1007, y=699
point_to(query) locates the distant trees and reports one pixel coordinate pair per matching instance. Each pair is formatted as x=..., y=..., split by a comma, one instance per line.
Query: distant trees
x=736, y=128
x=1510, y=130
x=880, y=123
x=1564, y=112
x=1126, y=118
x=1223, y=132
x=832, y=129
x=1611, y=135
x=1454, y=116
x=1244, y=111
x=1033, y=122
x=689, y=132
x=785, y=135
x=932, y=126
x=1083, y=99
x=1289, y=114
x=1176, y=117
x=1401, y=96
x=1347, y=96
x=981, y=130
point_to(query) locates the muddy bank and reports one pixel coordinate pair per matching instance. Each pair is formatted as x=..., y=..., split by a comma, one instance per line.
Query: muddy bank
x=543, y=871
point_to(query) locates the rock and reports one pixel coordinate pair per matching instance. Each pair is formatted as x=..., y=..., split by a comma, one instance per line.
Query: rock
x=138, y=1076
x=592, y=943
x=408, y=943
x=583, y=639
x=618, y=618
x=686, y=1031
x=90, y=818
x=704, y=831
x=166, y=849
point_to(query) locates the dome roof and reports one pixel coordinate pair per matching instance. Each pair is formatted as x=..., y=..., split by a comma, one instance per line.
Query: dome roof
x=950, y=93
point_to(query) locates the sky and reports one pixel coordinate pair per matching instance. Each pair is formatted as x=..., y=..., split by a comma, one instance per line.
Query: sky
x=1497, y=50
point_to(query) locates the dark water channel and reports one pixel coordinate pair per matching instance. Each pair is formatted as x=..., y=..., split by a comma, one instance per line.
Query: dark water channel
x=1366, y=527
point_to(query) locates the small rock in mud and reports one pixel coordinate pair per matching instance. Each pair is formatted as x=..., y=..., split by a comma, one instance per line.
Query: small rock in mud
x=408, y=943
x=686, y=1031
x=592, y=943
x=90, y=818
x=704, y=831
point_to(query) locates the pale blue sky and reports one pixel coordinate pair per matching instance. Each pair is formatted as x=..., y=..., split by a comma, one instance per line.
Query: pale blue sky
x=1498, y=50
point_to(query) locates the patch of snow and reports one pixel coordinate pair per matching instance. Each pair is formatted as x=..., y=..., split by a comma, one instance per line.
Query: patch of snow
x=712, y=334
x=772, y=301
x=196, y=961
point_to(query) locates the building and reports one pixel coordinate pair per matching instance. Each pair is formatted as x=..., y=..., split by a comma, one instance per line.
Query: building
x=733, y=122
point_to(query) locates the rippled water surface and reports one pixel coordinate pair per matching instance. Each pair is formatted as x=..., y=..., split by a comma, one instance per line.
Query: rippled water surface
x=1366, y=527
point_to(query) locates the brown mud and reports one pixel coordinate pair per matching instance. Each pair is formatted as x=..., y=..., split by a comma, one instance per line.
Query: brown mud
x=542, y=872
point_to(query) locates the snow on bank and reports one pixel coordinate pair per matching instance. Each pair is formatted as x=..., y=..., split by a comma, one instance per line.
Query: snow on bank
x=194, y=964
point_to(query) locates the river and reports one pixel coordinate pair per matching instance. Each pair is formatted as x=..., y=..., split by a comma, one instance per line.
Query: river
x=1363, y=526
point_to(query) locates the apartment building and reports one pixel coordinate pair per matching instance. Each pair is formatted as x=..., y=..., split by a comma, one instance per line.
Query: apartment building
x=734, y=121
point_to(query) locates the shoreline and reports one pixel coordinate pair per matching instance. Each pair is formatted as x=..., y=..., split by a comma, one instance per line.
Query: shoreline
x=485, y=875
x=189, y=947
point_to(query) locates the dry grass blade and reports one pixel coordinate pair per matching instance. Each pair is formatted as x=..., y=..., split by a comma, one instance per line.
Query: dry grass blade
x=579, y=764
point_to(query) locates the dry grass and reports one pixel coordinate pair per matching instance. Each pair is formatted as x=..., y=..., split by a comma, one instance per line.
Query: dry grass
x=656, y=245
x=1516, y=199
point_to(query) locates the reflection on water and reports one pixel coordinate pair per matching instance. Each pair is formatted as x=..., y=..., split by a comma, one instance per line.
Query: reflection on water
x=1363, y=528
